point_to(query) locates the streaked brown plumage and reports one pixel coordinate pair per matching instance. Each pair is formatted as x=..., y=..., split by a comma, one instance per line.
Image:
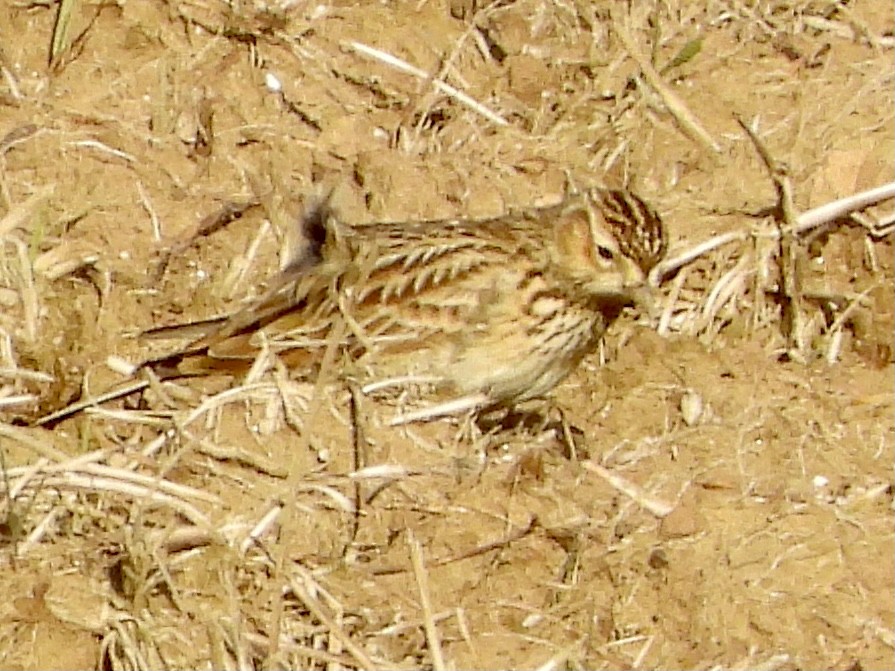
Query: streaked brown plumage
x=488, y=312
x=502, y=308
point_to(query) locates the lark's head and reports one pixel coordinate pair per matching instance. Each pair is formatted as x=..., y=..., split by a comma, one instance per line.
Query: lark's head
x=607, y=241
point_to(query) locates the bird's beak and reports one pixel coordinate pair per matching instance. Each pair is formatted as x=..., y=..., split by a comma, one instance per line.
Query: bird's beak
x=632, y=275
x=643, y=299
x=636, y=288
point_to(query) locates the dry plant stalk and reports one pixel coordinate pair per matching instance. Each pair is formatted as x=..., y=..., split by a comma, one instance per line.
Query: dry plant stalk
x=646, y=501
x=675, y=105
x=210, y=224
x=790, y=294
x=300, y=588
x=404, y=66
x=484, y=548
x=422, y=583
x=780, y=246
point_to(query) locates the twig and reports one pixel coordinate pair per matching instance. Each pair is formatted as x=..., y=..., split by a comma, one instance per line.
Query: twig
x=20, y=399
x=422, y=583
x=805, y=222
x=676, y=106
x=836, y=327
x=239, y=266
x=28, y=295
x=25, y=374
x=668, y=266
x=43, y=448
x=359, y=459
x=839, y=208
x=452, y=407
x=210, y=224
x=100, y=146
x=19, y=134
x=150, y=210
x=37, y=533
x=848, y=31
x=316, y=609
x=78, y=406
x=263, y=643
x=728, y=285
x=656, y=506
x=484, y=548
x=790, y=294
x=262, y=527
x=445, y=88
x=673, y=295
x=93, y=483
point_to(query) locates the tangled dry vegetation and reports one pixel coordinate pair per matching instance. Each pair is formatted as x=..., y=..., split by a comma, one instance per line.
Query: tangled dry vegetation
x=717, y=492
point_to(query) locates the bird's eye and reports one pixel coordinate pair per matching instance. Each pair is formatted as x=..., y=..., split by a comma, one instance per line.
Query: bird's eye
x=605, y=253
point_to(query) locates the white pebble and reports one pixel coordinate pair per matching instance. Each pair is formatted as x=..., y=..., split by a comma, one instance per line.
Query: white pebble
x=691, y=407
x=272, y=83
x=120, y=365
x=532, y=620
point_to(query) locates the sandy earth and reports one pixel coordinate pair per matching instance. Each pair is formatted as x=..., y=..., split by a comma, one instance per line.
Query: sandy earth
x=217, y=524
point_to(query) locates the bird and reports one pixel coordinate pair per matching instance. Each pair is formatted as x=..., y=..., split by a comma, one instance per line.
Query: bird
x=485, y=312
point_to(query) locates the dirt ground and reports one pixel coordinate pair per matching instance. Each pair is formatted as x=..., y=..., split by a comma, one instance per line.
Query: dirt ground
x=273, y=522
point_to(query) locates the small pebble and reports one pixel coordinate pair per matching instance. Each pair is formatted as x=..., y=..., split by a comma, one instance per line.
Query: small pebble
x=691, y=407
x=272, y=83
x=820, y=481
